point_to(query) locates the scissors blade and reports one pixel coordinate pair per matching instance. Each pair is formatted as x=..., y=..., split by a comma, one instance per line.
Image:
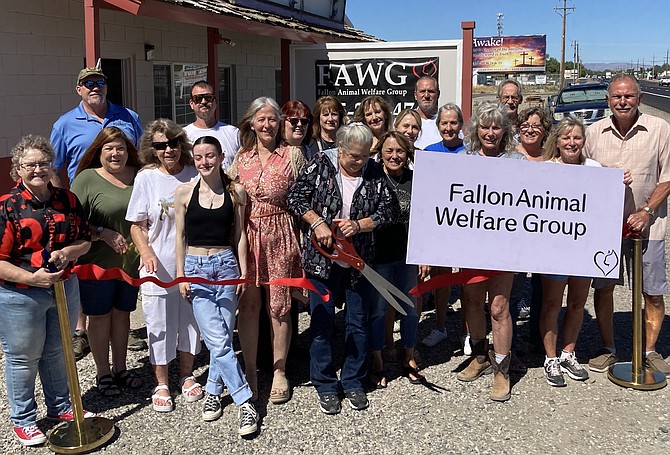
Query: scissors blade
x=386, y=289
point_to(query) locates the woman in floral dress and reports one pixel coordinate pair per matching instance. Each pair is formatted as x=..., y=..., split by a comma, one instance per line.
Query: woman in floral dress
x=267, y=169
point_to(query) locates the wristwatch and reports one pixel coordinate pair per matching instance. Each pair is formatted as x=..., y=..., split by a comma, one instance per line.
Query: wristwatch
x=649, y=210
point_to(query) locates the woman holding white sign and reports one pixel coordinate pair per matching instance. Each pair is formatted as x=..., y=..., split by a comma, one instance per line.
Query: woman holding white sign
x=490, y=136
x=564, y=146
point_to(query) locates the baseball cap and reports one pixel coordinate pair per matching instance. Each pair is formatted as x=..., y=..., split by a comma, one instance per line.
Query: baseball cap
x=94, y=71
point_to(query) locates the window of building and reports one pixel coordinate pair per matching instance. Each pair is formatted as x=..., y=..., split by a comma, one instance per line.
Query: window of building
x=172, y=85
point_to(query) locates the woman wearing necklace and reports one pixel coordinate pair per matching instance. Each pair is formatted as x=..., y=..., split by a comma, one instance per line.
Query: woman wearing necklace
x=209, y=218
x=103, y=183
x=329, y=117
x=344, y=189
x=166, y=155
x=396, y=153
x=267, y=167
x=31, y=261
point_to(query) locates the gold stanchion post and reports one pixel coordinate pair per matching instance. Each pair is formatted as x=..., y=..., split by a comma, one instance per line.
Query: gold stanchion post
x=79, y=435
x=634, y=374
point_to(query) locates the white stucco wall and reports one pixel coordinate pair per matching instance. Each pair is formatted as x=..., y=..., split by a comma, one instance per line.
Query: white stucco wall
x=42, y=50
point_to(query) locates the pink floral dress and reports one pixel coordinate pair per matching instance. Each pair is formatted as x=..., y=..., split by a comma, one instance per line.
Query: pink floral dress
x=273, y=234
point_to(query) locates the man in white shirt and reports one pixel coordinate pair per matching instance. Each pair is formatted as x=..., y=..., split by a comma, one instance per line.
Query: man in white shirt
x=204, y=104
x=426, y=94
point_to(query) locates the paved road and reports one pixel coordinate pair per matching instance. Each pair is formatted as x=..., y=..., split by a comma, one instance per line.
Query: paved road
x=655, y=95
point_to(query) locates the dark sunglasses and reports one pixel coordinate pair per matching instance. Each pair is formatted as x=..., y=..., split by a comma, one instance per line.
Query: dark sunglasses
x=90, y=84
x=304, y=121
x=197, y=99
x=173, y=143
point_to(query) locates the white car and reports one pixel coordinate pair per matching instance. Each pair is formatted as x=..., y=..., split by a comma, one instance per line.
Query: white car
x=665, y=81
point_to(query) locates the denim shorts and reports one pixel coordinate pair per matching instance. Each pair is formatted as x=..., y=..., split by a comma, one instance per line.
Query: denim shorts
x=99, y=297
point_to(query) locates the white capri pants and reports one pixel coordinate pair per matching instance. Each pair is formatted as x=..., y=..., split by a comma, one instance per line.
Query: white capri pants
x=171, y=327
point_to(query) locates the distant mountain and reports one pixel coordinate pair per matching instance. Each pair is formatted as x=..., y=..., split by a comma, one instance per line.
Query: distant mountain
x=605, y=66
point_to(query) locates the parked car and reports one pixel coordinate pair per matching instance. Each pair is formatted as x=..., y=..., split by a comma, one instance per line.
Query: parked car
x=664, y=81
x=587, y=101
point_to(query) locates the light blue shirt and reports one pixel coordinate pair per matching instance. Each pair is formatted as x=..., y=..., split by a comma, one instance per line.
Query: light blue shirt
x=76, y=130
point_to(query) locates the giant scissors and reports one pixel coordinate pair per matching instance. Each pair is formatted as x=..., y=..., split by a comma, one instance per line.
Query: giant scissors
x=343, y=250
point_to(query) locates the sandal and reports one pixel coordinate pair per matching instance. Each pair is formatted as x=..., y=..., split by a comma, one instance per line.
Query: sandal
x=156, y=399
x=186, y=392
x=409, y=371
x=106, y=386
x=378, y=379
x=126, y=379
x=280, y=392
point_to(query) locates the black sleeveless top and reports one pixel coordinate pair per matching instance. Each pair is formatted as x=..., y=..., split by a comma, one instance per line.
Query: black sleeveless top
x=209, y=227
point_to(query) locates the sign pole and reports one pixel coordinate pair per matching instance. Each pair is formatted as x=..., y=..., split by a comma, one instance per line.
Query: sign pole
x=634, y=374
x=79, y=435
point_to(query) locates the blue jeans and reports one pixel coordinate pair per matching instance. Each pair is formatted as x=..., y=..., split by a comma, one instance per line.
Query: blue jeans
x=404, y=277
x=354, y=369
x=31, y=341
x=214, y=310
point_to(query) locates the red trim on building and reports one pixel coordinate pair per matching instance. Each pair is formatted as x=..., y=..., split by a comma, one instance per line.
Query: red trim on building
x=466, y=78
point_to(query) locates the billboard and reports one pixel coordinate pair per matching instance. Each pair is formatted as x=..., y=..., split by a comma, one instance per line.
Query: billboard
x=391, y=78
x=509, y=54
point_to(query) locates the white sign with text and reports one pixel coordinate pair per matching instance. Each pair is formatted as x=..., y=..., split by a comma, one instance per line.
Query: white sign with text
x=515, y=215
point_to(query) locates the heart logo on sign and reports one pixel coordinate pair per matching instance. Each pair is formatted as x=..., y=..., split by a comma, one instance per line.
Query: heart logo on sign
x=606, y=262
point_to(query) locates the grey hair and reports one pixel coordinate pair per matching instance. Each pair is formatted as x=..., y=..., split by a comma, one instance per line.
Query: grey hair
x=29, y=142
x=622, y=76
x=247, y=135
x=508, y=82
x=356, y=133
x=449, y=107
x=490, y=113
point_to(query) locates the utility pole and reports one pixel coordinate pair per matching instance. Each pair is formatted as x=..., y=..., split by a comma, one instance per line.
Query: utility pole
x=563, y=12
x=653, y=63
x=500, y=16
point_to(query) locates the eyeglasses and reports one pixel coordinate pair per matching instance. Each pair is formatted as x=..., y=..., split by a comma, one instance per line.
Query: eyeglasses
x=304, y=121
x=528, y=126
x=30, y=167
x=173, y=143
x=507, y=98
x=91, y=84
x=208, y=97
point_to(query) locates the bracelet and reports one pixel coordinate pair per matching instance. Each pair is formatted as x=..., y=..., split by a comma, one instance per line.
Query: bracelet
x=649, y=210
x=317, y=223
x=358, y=226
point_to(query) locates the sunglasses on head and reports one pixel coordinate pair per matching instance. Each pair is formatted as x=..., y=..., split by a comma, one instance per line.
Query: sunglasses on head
x=304, y=121
x=197, y=99
x=90, y=84
x=173, y=143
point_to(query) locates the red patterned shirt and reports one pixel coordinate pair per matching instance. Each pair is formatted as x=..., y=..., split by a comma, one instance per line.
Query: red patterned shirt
x=29, y=226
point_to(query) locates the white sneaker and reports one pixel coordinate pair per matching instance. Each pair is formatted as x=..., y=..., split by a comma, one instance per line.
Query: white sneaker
x=396, y=326
x=435, y=337
x=467, y=347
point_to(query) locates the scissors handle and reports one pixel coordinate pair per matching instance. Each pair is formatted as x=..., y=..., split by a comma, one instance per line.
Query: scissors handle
x=343, y=250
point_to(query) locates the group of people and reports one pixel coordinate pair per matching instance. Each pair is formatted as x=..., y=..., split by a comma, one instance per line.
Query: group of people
x=263, y=201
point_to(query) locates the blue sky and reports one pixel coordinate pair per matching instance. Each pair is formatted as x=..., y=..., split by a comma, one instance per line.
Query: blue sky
x=608, y=31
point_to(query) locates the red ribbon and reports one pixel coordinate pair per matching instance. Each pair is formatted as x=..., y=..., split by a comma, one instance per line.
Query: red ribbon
x=94, y=272
x=465, y=276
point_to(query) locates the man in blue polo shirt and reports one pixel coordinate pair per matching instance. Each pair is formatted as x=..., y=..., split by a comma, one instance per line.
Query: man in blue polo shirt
x=75, y=130
x=72, y=134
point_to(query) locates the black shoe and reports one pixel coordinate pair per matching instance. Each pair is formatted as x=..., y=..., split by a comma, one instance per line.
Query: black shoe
x=329, y=403
x=211, y=409
x=248, y=419
x=358, y=400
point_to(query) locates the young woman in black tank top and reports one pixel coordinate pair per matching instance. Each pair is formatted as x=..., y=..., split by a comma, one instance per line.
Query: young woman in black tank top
x=212, y=244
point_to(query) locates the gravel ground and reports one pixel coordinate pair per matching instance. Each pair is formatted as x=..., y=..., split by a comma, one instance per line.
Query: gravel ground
x=595, y=416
